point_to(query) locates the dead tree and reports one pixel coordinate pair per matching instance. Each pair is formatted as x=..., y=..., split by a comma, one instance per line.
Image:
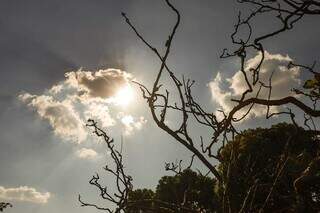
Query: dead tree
x=118, y=200
x=122, y=181
x=160, y=101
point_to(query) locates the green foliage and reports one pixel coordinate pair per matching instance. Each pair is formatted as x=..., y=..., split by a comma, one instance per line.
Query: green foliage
x=141, y=194
x=144, y=195
x=249, y=167
x=255, y=158
x=313, y=85
x=188, y=188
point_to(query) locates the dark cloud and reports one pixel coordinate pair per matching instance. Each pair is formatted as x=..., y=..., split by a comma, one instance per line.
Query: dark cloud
x=99, y=84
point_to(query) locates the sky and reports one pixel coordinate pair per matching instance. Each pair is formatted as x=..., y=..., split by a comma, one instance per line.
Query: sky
x=62, y=62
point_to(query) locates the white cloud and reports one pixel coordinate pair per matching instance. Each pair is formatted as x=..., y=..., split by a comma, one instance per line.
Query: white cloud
x=24, y=193
x=283, y=80
x=221, y=97
x=83, y=95
x=86, y=153
x=99, y=110
x=61, y=116
x=55, y=89
x=98, y=95
x=130, y=123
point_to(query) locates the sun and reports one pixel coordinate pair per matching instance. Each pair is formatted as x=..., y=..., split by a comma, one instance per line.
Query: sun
x=124, y=96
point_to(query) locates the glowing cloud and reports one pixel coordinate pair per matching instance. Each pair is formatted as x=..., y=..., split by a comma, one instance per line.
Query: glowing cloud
x=83, y=95
x=100, y=84
x=100, y=111
x=130, y=123
x=124, y=96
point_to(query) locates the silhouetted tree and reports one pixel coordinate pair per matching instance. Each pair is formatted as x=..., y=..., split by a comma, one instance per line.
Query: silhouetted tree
x=223, y=129
x=277, y=169
x=145, y=199
x=188, y=189
x=273, y=169
x=263, y=166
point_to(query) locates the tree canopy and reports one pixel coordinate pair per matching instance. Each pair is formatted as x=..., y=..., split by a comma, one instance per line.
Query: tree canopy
x=276, y=167
x=189, y=189
x=261, y=161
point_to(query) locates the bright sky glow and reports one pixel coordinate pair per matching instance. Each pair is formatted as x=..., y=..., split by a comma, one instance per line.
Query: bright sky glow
x=127, y=120
x=124, y=96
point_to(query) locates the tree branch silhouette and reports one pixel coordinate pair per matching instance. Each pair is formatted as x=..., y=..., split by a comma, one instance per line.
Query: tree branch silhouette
x=222, y=130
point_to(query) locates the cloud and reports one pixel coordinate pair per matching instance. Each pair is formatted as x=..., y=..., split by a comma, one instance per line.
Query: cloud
x=61, y=116
x=83, y=95
x=24, y=193
x=86, y=153
x=99, y=110
x=221, y=97
x=99, y=84
x=283, y=80
x=130, y=123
